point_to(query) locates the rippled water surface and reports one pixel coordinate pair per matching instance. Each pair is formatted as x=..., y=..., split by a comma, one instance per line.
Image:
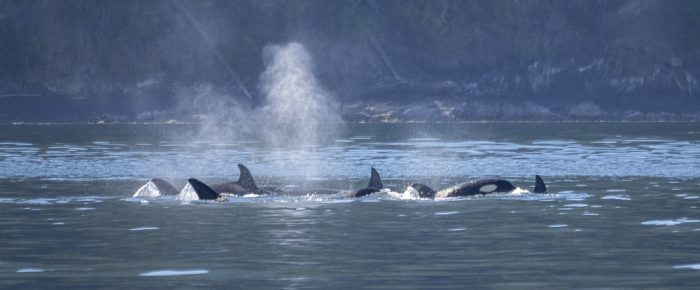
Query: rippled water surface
x=621, y=211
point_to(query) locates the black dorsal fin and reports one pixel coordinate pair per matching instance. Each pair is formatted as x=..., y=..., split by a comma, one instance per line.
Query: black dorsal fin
x=245, y=180
x=375, y=181
x=204, y=192
x=539, y=185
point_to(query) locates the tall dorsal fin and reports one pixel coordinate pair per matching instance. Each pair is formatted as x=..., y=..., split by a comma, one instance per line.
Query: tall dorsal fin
x=539, y=185
x=375, y=181
x=245, y=180
x=204, y=192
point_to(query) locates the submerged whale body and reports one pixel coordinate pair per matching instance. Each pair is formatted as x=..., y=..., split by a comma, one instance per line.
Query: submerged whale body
x=474, y=187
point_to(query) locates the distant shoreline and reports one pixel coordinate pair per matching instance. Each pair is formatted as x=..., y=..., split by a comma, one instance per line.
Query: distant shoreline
x=21, y=123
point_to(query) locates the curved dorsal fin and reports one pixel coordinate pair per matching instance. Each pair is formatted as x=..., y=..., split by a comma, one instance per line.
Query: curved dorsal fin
x=375, y=181
x=539, y=185
x=245, y=180
x=204, y=192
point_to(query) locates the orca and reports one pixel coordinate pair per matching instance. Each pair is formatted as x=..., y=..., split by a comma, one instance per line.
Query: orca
x=156, y=187
x=474, y=187
x=204, y=192
x=244, y=185
x=375, y=185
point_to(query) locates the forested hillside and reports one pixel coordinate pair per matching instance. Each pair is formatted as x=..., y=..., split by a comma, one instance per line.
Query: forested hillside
x=437, y=60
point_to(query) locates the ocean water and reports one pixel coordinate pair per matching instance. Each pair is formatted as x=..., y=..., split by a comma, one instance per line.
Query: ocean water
x=621, y=210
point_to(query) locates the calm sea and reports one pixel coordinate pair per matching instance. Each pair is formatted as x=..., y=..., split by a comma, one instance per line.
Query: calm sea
x=621, y=211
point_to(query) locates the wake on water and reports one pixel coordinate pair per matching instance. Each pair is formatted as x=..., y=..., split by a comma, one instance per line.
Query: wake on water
x=147, y=194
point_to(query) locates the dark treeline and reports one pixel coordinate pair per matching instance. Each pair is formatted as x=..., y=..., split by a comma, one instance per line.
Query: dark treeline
x=66, y=60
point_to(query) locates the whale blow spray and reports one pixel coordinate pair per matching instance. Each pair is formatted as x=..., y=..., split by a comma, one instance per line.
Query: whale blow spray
x=298, y=110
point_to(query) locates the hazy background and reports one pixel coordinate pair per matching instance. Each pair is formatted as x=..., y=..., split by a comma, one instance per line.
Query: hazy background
x=359, y=60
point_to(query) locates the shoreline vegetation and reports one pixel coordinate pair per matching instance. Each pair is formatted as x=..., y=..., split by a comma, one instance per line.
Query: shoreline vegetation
x=176, y=122
x=363, y=111
x=366, y=61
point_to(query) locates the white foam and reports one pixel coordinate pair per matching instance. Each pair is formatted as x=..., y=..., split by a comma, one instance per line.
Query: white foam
x=136, y=200
x=162, y=273
x=446, y=213
x=148, y=190
x=144, y=229
x=692, y=197
x=410, y=193
x=576, y=205
x=669, y=222
x=187, y=194
x=616, y=197
x=456, y=229
x=39, y=201
x=519, y=191
x=30, y=270
x=85, y=208
x=558, y=226
x=690, y=266
x=615, y=190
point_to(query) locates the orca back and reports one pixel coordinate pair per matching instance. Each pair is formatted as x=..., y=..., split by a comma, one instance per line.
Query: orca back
x=230, y=188
x=423, y=190
x=364, y=191
x=477, y=187
x=204, y=192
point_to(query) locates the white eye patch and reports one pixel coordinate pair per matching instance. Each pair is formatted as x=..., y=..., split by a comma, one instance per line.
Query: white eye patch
x=488, y=188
